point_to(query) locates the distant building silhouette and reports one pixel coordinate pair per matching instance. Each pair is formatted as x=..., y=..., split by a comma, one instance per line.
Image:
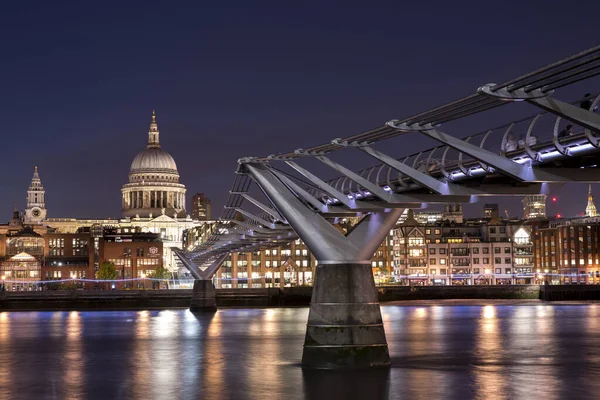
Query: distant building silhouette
x=201, y=208
x=490, y=210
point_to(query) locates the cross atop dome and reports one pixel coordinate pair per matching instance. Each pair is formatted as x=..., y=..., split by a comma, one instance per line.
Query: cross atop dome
x=153, y=141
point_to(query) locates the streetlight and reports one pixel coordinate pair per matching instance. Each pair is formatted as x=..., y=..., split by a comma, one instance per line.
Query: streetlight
x=144, y=281
x=487, y=275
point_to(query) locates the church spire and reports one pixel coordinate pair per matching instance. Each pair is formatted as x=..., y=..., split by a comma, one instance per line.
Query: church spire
x=153, y=133
x=35, y=211
x=590, y=210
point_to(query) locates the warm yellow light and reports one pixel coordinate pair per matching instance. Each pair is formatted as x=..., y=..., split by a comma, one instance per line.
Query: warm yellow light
x=487, y=271
x=143, y=276
x=489, y=312
x=3, y=277
x=546, y=271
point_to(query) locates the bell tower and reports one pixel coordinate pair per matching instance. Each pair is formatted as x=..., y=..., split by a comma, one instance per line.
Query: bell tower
x=35, y=212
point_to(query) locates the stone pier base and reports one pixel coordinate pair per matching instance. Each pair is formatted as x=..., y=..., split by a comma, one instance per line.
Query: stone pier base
x=203, y=297
x=345, y=329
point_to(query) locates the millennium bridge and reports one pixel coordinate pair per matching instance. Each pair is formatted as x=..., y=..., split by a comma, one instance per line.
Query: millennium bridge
x=276, y=198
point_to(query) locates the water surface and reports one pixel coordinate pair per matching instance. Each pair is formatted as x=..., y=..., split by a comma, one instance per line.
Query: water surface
x=438, y=352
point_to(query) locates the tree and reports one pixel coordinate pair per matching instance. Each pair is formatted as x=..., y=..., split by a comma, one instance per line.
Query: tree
x=159, y=273
x=107, y=271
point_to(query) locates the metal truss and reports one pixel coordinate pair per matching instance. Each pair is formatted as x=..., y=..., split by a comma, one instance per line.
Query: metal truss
x=305, y=202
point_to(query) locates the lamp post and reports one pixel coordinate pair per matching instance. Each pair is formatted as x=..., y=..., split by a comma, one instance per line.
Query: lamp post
x=3, y=283
x=487, y=276
x=144, y=281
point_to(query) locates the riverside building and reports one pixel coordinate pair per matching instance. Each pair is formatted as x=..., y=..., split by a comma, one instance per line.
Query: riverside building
x=153, y=201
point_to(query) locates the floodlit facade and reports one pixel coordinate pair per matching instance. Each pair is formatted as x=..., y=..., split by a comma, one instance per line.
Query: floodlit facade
x=534, y=206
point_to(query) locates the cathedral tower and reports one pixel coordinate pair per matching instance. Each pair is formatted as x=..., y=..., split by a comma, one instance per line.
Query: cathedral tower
x=590, y=210
x=36, y=202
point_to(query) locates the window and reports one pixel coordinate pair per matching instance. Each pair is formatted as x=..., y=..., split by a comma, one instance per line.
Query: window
x=431, y=251
x=486, y=260
x=443, y=271
x=437, y=231
x=507, y=250
x=507, y=260
x=432, y=261
x=507, y=270
x=485, y=250
x=498, y=270
x=433, y=271
x=476, y=261
x=127, y=252
x=139, y=252
x=442, y=261
x=428, y=231
x=442, y=251
x=475, y=250
x=475, y=270
x=496, y=250
x=502, y=229
x=493, y=230
x=497, y=260
x=146, y=261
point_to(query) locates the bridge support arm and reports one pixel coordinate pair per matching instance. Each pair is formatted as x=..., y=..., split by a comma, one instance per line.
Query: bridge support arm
x=345, y=328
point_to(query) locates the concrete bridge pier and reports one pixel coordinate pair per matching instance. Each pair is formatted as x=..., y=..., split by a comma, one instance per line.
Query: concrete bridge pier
x=344, y=329
x=203, y=296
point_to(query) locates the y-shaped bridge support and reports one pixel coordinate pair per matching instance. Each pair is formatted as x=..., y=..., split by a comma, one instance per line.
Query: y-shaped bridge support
x=344, y=329
x=203, y=295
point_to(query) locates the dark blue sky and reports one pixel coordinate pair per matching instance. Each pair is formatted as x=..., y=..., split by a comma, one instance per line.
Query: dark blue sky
x=78, y=82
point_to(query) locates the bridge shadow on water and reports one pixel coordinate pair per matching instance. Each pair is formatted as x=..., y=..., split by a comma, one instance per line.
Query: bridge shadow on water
x=359, y=384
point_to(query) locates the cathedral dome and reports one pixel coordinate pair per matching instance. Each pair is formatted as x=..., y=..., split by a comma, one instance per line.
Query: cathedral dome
x=153, y=188
x=153, y=160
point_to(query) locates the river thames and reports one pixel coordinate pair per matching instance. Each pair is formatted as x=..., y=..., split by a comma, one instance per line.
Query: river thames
x=439, y=350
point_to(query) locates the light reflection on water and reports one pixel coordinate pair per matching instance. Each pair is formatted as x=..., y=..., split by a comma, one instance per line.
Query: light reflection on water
x=472, y=351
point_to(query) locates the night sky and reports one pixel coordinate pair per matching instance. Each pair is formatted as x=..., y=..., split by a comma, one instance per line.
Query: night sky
x=79, y=81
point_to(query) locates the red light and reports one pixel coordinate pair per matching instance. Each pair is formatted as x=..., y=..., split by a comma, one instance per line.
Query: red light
x=558, y=216
x=554, y=199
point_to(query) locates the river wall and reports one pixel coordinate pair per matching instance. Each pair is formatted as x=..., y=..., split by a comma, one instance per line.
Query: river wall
x=269, y=297
x=275, y=297
x=570, y=292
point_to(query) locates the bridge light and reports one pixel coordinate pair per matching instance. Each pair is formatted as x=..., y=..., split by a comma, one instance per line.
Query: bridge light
x=554, y=199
